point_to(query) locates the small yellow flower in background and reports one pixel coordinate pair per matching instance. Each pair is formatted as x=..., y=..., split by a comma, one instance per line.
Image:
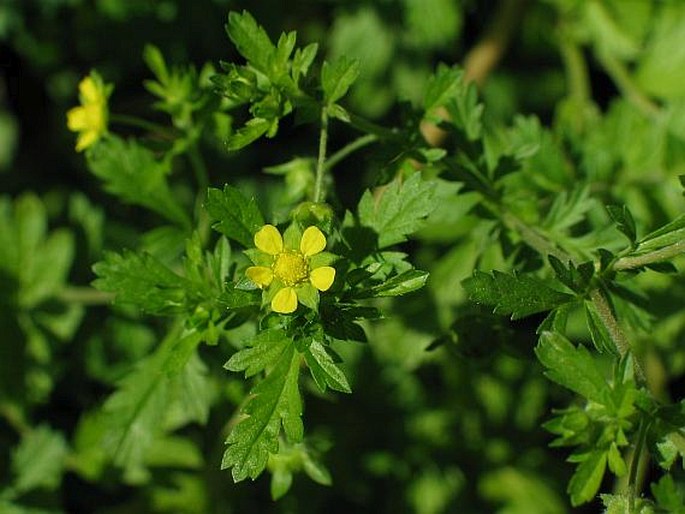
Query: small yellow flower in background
x=292, y=272
x=90, y=118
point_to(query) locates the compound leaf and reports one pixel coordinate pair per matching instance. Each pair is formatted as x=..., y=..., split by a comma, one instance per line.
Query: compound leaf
x=274, y=401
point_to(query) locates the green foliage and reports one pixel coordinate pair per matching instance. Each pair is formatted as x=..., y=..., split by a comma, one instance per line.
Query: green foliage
x=275, y=401
x=519, y=296
x=238, y=218
x=508, y=252
x=131, y=172
x=397, y=210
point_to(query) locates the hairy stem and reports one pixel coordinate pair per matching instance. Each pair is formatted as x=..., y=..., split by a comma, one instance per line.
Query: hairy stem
x=544, y=247
x=660, y=255
x=319, y=195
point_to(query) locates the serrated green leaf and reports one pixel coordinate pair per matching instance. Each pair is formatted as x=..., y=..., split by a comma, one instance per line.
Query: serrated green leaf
x=137, y=410
x=586, y=480
x=142, y=280
x=518, y=295
x=235, y=216
x=34, y=263
x=248, y=133
x=233, y=298
x=572, y=367
x=337, y=77
x=262, y=351
x=251, y=40
x=398, y=209
x=624, y=221
x=302, y=60
x=401, y=284
x=274, y=401
x=668, y=495
x=466, y=111
x=324, y=371
x=442, y=86
x=38, y=461
x=132, y=173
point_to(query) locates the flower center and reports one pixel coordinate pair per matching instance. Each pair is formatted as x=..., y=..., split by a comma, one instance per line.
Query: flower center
x=290, y=268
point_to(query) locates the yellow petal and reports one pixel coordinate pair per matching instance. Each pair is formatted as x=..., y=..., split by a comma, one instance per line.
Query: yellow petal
x=313, y=241
x=285, y=301
x=77, y=119
x=89, y=91
x=268, y=239
x=322, y=278
x=260, y=275
x=86, y=139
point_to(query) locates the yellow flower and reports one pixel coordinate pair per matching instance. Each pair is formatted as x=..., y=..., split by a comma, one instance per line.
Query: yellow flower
x=292, y=272
x=90, y=118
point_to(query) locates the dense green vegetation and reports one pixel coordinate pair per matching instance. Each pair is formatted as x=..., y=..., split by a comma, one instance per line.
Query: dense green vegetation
x=374, y=256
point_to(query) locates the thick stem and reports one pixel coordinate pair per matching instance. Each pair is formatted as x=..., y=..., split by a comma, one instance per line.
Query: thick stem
x=319, y=195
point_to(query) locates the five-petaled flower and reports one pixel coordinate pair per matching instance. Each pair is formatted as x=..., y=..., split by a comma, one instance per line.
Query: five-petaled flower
x=292, y=272
x=90, y=118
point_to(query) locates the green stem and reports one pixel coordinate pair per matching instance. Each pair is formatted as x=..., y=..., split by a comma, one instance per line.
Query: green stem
x=84, y=296
x=370, y=127
x=619, y=74
x=535, y=239
x=319, y=195
x=545, y=247
x=633, y=474
x=349, y=149
x=199, y=168
x=660, y=255
x=134, y=121
x=576, y=70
